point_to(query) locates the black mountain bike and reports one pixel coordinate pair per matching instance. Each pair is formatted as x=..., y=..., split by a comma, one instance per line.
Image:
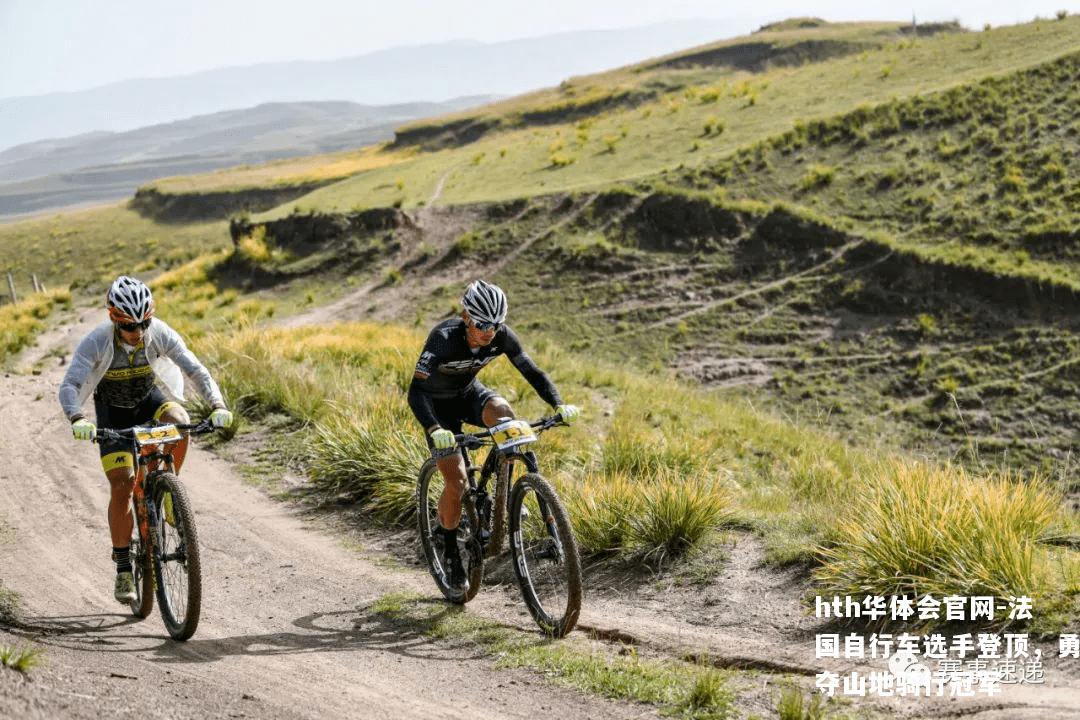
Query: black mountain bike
x=545, y=554
x=165, y=545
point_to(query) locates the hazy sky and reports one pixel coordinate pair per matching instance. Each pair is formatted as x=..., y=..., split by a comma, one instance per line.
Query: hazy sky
x=56, y=45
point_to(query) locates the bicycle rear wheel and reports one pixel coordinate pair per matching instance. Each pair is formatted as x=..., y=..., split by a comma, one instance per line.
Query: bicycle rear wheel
x=179, y=588
x=546, y=558
x=429, y=487
x=142, y=569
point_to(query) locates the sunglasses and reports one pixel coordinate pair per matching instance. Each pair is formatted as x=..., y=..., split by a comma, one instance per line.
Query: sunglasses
x=486, y=326
x=132, y=327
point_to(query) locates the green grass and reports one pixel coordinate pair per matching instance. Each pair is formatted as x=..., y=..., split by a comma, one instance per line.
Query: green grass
x=678, y=689
x=659, y=133
x=21, y=658
x=279, y=173
x=89, y=248
x=927, y=530
x=978, y=176
x=21, y=322
x=794, y=705
x=668, y=466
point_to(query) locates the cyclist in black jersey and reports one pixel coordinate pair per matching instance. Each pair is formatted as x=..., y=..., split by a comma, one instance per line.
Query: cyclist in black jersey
x=445, y=393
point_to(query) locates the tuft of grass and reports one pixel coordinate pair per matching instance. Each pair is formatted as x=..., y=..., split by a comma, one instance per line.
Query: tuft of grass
x=818, y=176
x=10, y=607
x=21, y=657
x=793, y=705
x=919, y=529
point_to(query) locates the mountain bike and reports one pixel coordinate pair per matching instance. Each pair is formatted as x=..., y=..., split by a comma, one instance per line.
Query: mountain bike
x=164, y=543
x=546, y=560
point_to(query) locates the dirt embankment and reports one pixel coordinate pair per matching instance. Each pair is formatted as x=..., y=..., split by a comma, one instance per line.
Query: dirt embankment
x=218, y=205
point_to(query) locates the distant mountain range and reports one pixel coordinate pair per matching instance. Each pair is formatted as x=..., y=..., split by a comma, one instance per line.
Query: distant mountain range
x=399, y=75
x=102, y=166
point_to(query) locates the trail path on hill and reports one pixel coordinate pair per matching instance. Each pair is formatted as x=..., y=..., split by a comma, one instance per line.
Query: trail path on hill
x=287, y=630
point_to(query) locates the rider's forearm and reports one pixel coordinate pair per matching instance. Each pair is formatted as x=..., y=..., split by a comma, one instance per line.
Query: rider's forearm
x=539, y=379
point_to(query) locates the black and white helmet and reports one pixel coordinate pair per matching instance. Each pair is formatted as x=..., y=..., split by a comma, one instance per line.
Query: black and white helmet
x=129, y=300
x=485, y=303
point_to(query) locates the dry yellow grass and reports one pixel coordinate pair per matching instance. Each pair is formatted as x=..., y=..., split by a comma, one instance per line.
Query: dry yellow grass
x=291, y=171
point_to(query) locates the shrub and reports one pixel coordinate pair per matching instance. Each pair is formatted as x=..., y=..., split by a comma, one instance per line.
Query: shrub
x=1012, y=180
x=710, y=95
x=558, y=160
x=253, y=247
x=817, y=176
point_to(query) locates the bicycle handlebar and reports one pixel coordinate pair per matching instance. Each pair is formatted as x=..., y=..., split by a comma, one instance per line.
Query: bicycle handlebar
x=202, y=427
x=540, y=425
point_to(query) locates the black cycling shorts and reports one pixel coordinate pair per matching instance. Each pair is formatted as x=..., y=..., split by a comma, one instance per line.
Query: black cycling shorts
x=455, y=411
x=115, y=454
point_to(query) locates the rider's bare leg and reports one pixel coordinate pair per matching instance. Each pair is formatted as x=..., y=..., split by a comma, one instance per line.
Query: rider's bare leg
x=453, y=467
x=496, y=409
x=177, y=414
x=121, y=482
x=453, y=472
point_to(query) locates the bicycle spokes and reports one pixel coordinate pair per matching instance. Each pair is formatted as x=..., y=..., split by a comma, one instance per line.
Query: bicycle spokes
x=545, y=556
x=173, y=559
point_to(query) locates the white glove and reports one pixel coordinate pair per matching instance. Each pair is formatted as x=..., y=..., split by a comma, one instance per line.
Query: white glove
x=83, y=429
x=568, y=413
x=221, y=418
x=442, y=439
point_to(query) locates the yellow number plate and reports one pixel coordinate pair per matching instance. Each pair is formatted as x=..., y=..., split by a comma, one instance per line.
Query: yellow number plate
x=512, y=433
x=155, y=435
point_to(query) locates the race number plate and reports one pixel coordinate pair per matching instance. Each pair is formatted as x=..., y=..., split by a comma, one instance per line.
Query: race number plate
x=512, y=433
x=156, y=435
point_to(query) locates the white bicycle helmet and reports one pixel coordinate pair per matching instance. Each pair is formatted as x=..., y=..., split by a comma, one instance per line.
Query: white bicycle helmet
x=485, y=303
x=129, y=301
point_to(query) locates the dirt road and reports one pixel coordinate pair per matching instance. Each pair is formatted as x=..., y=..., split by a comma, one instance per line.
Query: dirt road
x=287, y=630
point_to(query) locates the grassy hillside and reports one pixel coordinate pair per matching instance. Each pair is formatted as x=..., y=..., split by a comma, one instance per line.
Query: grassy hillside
x=690, y=115
x=89, y=247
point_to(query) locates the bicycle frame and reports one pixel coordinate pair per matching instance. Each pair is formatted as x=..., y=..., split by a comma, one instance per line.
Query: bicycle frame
x=151, y=460
x=478, y=489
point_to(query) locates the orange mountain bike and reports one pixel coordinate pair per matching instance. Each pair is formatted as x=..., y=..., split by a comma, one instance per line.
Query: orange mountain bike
x=164, y=545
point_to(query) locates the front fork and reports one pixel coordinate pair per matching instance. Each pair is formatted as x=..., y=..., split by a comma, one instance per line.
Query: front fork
x=145, y=513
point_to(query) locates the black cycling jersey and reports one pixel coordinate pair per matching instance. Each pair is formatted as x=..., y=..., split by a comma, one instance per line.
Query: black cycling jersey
x=447, y=368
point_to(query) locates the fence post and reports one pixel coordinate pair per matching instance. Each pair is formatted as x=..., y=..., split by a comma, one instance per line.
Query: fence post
x=35, y=283
x=11, y=288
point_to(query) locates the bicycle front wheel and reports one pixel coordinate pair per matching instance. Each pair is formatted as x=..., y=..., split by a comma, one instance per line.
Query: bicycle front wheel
x=179, y=588
x=499, y=504
x=546, y=558
x=142, y=569
x=429, y=487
